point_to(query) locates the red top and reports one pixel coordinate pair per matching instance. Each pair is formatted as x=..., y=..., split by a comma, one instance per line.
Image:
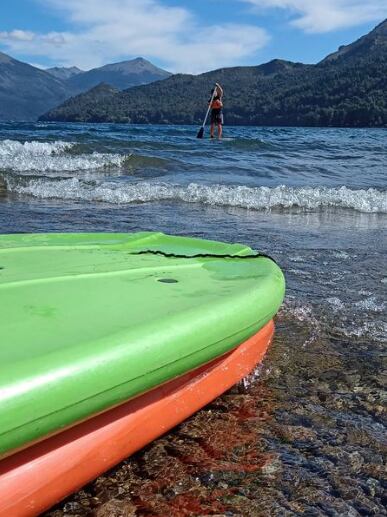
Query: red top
x=217, y=104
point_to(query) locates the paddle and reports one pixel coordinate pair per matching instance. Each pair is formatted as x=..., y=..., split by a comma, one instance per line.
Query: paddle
x=201, y=130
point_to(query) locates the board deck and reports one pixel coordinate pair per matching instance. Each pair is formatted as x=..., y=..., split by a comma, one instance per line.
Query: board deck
x=89, y=321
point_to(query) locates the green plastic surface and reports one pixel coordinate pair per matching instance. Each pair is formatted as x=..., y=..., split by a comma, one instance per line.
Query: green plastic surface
x=87, y=323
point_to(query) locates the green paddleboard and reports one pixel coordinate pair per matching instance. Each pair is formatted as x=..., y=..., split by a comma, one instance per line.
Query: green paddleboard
x=88, y=321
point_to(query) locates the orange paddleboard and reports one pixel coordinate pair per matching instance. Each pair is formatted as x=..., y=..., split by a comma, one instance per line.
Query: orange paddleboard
x=36, y=478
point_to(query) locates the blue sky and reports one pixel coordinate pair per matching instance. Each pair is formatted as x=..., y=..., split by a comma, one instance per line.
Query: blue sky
x=182, y=36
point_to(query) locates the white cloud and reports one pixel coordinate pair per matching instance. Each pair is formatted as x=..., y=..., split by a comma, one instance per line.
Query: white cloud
x=17, y=37
x=318, y=16
x=107, y=31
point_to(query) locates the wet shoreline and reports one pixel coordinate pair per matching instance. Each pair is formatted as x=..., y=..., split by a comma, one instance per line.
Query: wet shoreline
x=279, y=444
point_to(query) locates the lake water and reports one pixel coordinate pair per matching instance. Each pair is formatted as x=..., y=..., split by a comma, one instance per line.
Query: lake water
x=306, y=433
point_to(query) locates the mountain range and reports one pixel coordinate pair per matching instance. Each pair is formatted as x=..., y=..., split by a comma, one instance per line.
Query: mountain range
x=27, y=91
x=347, y=88
x=119, y=75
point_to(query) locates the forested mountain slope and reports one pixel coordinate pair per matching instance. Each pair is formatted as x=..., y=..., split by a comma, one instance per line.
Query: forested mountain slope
x=348, y=88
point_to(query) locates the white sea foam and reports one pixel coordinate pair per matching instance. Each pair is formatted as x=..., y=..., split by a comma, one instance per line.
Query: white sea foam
x=375, y=331
x=371, y=304
x=335, y=318
x=335, y=303
x=258, y=198
x=12, y=148
x=50, y=157
x=341, y=255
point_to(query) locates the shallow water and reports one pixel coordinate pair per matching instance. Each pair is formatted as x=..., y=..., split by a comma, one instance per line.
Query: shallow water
x=308, y=430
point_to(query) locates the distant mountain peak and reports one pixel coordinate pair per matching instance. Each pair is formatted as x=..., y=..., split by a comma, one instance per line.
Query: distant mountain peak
x=279, y=62
x=376, y=39
x=140, y=60
x=70, y=68
x=64, y=72
x=122, y=75
x=134, y=66
x=278, y=65
x=102, y=88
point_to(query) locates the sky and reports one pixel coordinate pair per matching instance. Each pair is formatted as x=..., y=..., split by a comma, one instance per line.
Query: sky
x=190, y=36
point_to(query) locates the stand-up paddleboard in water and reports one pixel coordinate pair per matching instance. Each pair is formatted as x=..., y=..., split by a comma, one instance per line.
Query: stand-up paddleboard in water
x=89, y=321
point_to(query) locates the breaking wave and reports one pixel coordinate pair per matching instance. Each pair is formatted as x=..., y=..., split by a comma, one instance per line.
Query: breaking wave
x=14, y=148
x=253, y=198
x=52, y=156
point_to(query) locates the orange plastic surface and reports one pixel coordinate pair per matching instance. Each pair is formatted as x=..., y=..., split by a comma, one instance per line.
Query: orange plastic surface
x=34, y=479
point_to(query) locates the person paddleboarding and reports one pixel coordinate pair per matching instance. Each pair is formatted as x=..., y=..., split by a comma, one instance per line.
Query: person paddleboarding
x=216, y=104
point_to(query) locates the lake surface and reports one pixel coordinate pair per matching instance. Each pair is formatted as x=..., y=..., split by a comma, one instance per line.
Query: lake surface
x=306, y=433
